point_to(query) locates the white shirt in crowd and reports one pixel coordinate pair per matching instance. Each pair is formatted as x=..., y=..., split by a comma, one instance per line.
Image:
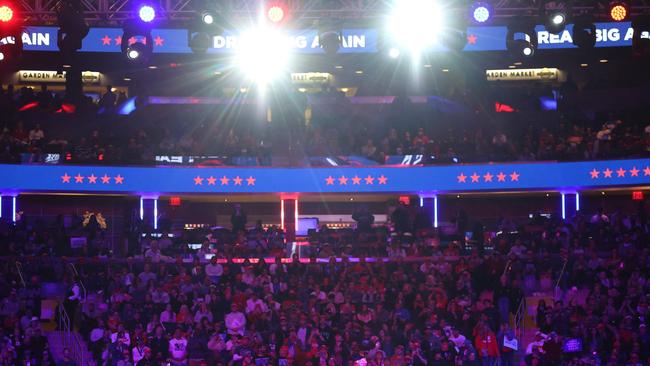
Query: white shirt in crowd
x=458, y=341
x=178, y=348
x=138, y=353
x=236, y=322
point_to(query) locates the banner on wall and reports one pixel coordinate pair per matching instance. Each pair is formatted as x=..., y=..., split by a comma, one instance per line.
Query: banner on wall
x=44, y=76
x=541, y=74
x=563, y=177
x=354, y=40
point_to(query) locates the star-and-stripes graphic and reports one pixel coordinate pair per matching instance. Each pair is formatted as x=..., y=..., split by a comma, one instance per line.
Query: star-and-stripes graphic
x=92, y=179
x=488, y=177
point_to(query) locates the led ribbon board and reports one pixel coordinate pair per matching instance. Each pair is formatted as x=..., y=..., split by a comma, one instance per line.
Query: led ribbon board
x=487, y=38
x=454, y=178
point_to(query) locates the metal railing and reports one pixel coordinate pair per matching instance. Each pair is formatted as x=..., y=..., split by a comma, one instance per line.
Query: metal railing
x=507, y=268
x=19, y=268
x=69, y=340
x=557, y=291
x=520, y=320
x=83, y=291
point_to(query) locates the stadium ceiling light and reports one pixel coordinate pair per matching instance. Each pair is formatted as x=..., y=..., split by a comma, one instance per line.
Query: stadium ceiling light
x=11, y=46
x=555, y=15
x=207, y=18
x=619, y=10
x=147, y=13
x=203, y=30
x=263, y=54
x=558, y=19
x=415, y=24
x=276, y=12
x=521, y=39
x=481, y=12
x=133, y=54
x=6, y=13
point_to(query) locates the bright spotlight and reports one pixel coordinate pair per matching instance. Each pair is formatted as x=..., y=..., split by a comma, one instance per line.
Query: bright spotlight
x=556, y=22
x=618, y=11
x=528, y=51
x=133, y=54
x=2, y=56
x=521, y=39
x=393, y=52
x=481, y=12
x=207, y=19
x=263, y=54
x=276, y=12
x=6, y=14
x=415, y=24
x=147, y=13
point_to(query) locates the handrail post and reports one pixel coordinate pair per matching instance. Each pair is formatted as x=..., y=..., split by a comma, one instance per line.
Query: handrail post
x=559, y=279
x=19, y=268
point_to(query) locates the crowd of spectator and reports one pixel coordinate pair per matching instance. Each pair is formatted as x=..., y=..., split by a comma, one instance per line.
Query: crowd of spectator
x=338, y=131
x=452, y=306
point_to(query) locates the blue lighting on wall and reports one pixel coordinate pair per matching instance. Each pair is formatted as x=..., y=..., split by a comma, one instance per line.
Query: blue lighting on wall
x=435, y=211
x=548, y=103
x=155, y=214
x=127, y=107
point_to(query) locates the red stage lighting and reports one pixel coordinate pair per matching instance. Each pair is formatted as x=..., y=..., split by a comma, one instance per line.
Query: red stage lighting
x=276, y=12
x=619, y=11
x=6, y=13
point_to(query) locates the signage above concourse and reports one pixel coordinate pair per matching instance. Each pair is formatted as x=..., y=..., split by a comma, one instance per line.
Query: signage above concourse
x=543, y=74
x=354, y=40
x=42, y=76
x=566, y=177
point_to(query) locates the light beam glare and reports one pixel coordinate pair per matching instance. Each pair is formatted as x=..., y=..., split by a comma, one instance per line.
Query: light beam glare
x=263, y=55
x=415, y=24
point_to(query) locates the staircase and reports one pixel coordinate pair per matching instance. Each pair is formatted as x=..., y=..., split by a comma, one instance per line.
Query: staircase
x=59, y=340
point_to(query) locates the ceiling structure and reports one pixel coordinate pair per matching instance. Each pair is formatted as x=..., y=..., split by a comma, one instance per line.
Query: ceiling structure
x=114, y=12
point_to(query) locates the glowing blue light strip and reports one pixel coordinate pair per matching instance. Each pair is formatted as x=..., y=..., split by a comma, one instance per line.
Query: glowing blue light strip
x=435, y=211
x=421, y=201
x=0, y=206
x=563, y=206
x=577, y=201
x=155, y=214
x=141, y=208
x=13, y=211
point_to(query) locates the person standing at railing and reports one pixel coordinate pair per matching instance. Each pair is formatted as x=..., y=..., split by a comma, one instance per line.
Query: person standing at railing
x=72, y=300
x=508, y=345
